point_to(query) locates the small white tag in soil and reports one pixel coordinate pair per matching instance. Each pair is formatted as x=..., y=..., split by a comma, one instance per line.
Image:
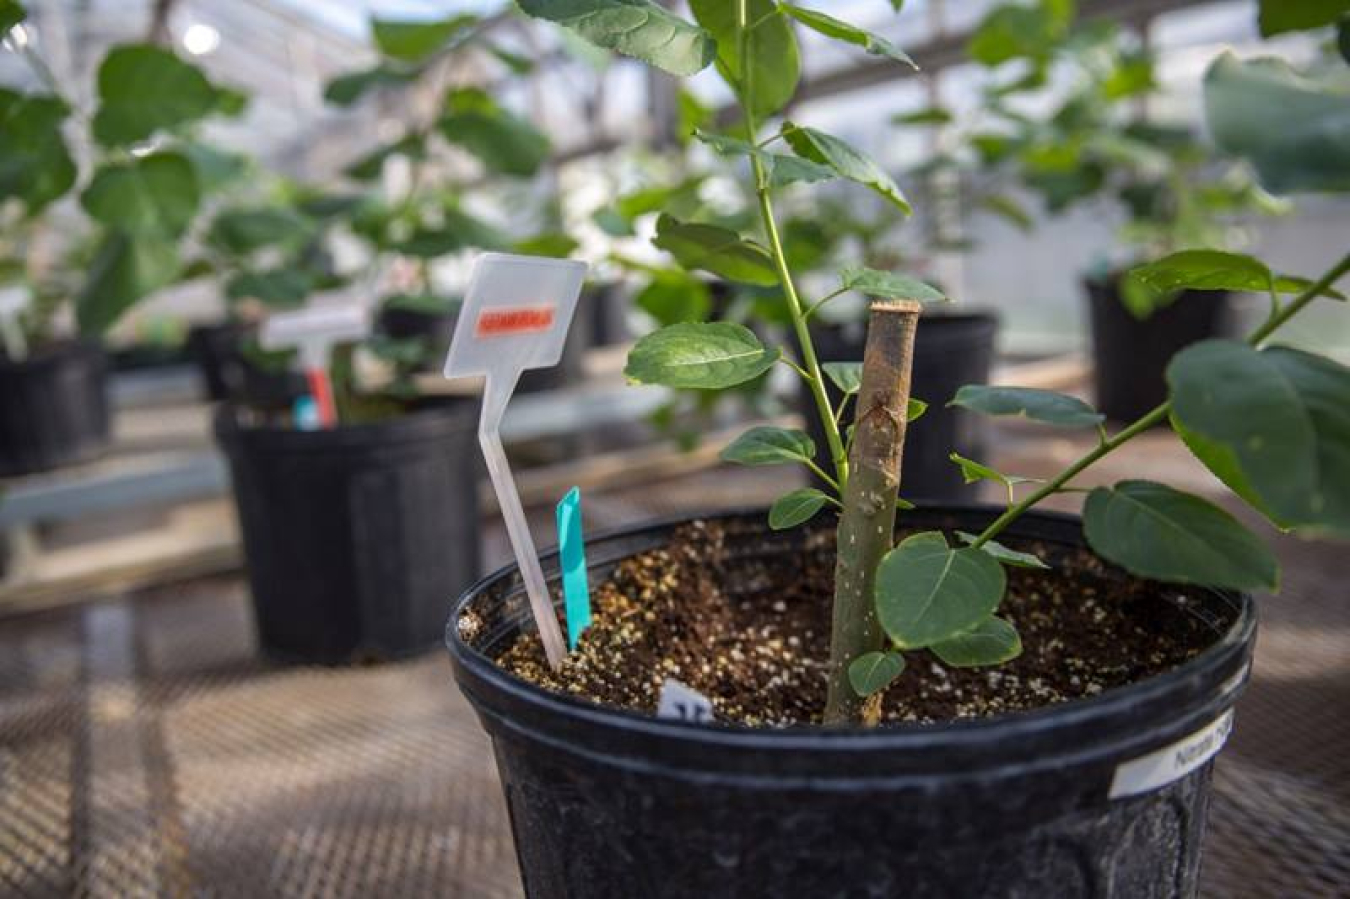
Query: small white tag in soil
x=683, y=703
x=1158, y=769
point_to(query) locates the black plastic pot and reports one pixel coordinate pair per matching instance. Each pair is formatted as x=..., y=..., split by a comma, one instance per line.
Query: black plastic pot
x=1131, y=355
x=950, y=350
x=605, y=307
x=353, y=535
x=53, y=408
x=216, y=348
x=607, y=803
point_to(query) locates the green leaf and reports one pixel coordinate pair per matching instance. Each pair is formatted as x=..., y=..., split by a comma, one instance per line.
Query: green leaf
x=1002, y=553
x=519, y=65
x=792, y=509
x=889, y=285
x=698, y=356
x=612, y=222
x=278, y=288
x=154, y=195
x=783, y=170
x=1295, y=131
x=502, y=141
x=1215, y=270
x=242, y=230
x=991, y=642
x=931, y=115
x=1222, y=463
x=638, y=28
x=35, y=165
x=555, y=244
x=1279, y=16
x=345, y=90
x=826, y=149
x=125, y=269
x=413, y=41
x=873, y=672
x=974, y=471
x=1037, y=405
x=1014, y=32
x=371, y=166
x=11, y=14
x=927, y=592
x=849, y=34
x=674, y=297
x=770, y=446
x=775, y=59
x=914, y=410
x=215, y=168
x=1008, y=209
x=1275, y=424
x=143, y=89
x=1156, y=532
x=847, y=376
x=717, y=250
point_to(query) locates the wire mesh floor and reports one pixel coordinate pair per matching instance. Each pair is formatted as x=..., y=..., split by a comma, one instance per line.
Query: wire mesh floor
x=145, y=750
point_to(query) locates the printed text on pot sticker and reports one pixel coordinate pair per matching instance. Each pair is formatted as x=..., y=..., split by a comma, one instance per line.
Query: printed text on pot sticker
x=1160, y=768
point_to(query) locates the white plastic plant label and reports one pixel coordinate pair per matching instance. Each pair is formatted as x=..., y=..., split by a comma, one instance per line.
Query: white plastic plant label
x=314, y=331
x=1158, y=769
x=515, y=317
x=683, y=703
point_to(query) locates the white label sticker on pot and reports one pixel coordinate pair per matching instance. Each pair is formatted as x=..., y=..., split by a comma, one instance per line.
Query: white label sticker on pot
x=1158, y=769
x=683, y=703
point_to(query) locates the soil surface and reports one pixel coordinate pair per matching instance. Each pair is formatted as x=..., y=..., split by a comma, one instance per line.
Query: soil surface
x=758, y=651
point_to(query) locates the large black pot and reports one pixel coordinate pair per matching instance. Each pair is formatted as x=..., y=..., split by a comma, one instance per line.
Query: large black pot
x=53, y=408
x=353, y=534
x=950, y=350
x=608, y=803
x=1131, y=354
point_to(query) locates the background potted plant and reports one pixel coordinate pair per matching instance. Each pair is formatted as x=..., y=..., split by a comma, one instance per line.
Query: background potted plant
x=352, y=531
x=606, y=800
x=1092, y=143
x=140, y=196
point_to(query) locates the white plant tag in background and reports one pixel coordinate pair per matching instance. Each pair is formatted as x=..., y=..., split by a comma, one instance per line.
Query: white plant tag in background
x=683, y=703
x=1158, y=769
x=314, y=330
x=515, y=317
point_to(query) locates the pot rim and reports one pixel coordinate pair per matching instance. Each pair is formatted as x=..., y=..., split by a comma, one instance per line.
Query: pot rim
x=1229, y=650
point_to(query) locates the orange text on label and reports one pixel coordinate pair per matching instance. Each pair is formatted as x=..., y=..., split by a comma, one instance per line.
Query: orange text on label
x=518, y=320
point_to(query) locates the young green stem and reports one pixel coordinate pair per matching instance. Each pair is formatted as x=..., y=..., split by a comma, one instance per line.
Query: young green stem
x=867, y=523
x=1160, y=414
x=810, y=363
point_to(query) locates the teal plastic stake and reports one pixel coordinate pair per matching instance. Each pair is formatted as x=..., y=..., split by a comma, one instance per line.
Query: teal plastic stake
x=572, y=553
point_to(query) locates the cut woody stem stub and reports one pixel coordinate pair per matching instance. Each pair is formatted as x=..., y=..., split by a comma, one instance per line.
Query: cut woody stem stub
x=867, y=524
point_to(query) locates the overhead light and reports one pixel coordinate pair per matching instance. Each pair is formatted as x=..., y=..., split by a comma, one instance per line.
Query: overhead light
x=200, y=39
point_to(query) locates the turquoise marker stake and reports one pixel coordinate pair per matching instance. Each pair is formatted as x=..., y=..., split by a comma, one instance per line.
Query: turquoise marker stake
x=572, y=553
